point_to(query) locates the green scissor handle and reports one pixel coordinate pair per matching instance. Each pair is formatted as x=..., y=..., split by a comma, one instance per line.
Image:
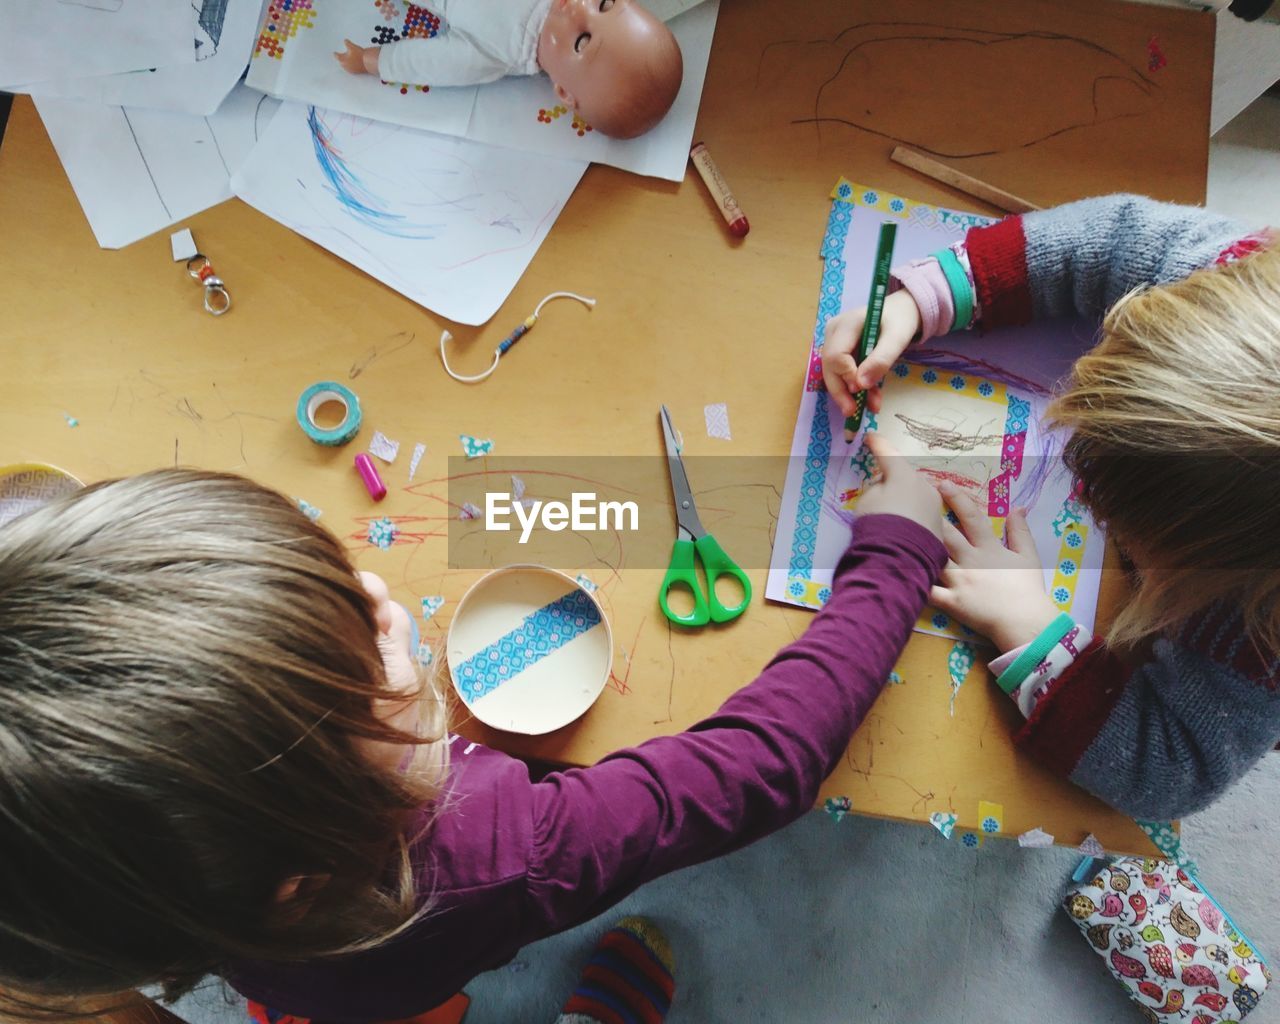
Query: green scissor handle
x=716, y=563
x=681, y=573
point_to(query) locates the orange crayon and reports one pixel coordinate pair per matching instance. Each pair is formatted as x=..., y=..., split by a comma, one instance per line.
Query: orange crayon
x=719, y=189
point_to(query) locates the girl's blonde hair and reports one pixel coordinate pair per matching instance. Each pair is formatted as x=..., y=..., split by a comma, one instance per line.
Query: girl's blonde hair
x=1176, y=420
x=186, y=666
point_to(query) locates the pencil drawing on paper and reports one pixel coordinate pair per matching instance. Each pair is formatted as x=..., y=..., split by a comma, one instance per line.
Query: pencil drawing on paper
x=935, y=437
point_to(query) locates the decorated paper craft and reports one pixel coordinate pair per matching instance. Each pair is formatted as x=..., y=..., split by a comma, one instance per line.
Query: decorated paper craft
x=419, y=450
x=838, y=806
x=717, y=417
x=1035, y=839
x=474, y=447
x=944, y=822
x=959, y=662
x=383, y=447
x=1091, y=847
x=431, y=605
x=293, y=60
x=990, y=817
x=539, y=634
x=382, y=533
x=449, y=223
x=309, y=510
x=964, y=409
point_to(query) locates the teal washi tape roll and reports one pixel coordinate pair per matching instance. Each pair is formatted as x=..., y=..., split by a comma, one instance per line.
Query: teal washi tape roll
x=317, y=395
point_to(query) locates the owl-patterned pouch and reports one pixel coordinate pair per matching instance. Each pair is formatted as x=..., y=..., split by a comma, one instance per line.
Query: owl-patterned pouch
x=1166, y=940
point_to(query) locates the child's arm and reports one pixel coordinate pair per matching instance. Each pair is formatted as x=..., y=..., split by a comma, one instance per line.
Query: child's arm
x=1157, y=736
x=753, y=766
x=445, y=60
x=1078, y=258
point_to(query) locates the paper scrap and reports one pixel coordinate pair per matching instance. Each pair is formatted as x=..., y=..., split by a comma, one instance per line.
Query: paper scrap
x=717, y=417
x=425, y=655
x=469, y=511
x=1035, y=839
x=382, y=533
x=586, y=583
x=71, y=420
x=1156, y=60
x=517, y=487
x=972, y=840
x=1168, y=842
x=959, y=661
x=895, y=679
x=419, y=450
x=990, y=817
x=838, y=806
x=1091, y=847
x=474, y=447
x=944, y=822
x=183, y=244
x=309, y=510
x=431, y=605
x=383, y=447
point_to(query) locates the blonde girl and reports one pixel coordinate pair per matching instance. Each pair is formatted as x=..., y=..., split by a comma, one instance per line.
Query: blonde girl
x=1175, y=416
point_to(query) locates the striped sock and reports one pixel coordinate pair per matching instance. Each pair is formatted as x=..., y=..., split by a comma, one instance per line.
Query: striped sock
x=627, y=980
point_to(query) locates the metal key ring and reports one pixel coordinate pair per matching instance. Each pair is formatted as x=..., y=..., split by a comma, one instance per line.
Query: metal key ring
x=214, y=287
x=204, y=262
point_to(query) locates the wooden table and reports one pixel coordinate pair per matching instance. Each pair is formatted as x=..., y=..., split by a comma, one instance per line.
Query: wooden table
x=1053, y=99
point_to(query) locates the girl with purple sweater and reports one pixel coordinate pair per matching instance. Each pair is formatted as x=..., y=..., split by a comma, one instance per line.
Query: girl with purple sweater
x=217, y=755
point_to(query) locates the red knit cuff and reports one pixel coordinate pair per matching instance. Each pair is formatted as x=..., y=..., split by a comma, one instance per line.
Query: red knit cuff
x=1068, y=717
x=998, y=259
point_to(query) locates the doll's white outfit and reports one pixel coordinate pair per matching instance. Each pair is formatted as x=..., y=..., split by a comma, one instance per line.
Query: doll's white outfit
x=482, y=41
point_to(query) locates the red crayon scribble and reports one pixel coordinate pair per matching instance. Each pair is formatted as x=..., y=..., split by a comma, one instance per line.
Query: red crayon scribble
x=1156, y=59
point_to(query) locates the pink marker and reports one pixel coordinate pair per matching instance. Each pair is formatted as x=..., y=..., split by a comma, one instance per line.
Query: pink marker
x=369, y=474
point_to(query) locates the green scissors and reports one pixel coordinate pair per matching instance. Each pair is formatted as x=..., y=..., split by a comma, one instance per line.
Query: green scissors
x=692, y=540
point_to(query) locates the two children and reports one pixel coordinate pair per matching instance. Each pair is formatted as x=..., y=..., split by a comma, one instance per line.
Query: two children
x=216, y=753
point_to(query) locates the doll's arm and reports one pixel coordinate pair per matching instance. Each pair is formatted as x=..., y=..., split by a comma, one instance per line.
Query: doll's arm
x=444, y=60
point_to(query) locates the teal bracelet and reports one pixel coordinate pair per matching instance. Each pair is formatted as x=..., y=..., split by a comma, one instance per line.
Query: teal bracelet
x=961, y=290
x=1036, y=651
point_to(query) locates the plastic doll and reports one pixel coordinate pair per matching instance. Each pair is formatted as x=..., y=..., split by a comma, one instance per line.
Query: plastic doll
x=612, y=61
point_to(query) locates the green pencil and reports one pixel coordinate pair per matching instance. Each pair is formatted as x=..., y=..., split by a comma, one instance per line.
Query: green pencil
x=871, y=326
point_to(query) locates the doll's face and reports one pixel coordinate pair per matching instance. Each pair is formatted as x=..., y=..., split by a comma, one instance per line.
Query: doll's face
x=612, y=61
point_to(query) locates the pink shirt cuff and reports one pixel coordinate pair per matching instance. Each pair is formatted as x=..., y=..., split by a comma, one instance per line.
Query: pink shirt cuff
x=927, y=284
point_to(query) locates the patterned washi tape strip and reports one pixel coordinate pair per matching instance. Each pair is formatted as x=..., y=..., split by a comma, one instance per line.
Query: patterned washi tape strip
x=541, y=633
x=319, y=394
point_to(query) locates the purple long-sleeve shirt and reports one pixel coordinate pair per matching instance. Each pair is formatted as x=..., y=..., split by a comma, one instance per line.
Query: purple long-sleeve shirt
x=507, y=860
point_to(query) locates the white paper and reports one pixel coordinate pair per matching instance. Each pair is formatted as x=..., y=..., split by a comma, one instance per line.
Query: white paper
x=224, y=37
x=183, y=244
x=383, y=447
x=519, y=112
x=449, y=223
x=49, y=39
x=1035, y=839
x=138, y=171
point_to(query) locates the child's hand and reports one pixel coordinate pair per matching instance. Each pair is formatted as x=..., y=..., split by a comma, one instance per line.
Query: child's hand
x=900, y=491
x=996, y=590
x=899, y=323
x=355, y=60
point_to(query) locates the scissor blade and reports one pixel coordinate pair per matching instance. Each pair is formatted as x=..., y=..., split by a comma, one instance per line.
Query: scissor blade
x=686, y=510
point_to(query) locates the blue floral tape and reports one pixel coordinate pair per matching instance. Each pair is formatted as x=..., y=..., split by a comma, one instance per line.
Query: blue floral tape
x=540, y=634
x=319, y=394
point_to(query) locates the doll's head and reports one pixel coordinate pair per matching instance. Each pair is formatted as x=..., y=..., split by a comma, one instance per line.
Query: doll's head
x=1175, y=421
x=204, y=753
x=613, y=62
